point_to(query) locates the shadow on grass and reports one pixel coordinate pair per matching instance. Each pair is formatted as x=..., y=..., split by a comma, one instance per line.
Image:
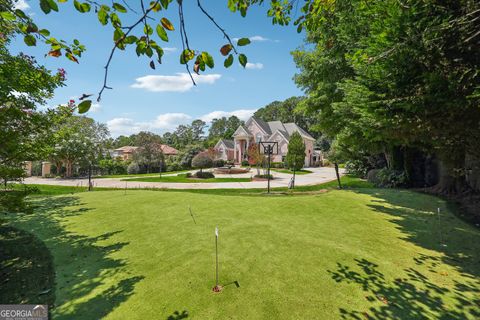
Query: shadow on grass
x=177, y=315
x=27, y=274
x=416, y=296
x=410, y=297
x=84, y=269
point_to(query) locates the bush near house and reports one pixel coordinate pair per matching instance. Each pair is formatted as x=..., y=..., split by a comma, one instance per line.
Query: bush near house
x=201, y=161
x=133, y=168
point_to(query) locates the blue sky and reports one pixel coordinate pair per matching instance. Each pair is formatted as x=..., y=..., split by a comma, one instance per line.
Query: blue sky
x=158, y=100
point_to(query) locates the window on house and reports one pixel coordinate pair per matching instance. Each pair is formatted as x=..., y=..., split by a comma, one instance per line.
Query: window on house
x=258, y=137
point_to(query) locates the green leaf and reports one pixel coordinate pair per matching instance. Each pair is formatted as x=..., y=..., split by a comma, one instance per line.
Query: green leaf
x=228, y=62
x=208, y=59
x=53, y=5
x=243, y=42
x=147, y=29
x=130, y=39
x=19, y=13
x=84, y=106
x=152, y=65
x=162, y=33
x=242, y=59
x=165, y=3
x=102, y=16
x=81, y=7
x=155, y=6
x=45, y=6
x=186, y=56
x=119, y=7
x=7, y=15
x=44, y=32
x=30, y=40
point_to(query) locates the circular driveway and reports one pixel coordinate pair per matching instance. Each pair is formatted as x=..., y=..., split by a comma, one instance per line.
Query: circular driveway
x=318, y=175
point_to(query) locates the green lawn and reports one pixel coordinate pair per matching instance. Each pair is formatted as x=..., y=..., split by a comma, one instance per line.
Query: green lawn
x=358, y=254
x=138, y=175
x=288, y=171
x=182, y=178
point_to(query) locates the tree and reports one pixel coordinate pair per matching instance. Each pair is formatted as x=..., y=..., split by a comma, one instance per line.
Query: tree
x=149, y=154
x=405, y=81
x=78, y=140
x=296, y=153
x=24, y=131
x=203, y=160
x=255, y=157
x=223, y=128
x=198, y=130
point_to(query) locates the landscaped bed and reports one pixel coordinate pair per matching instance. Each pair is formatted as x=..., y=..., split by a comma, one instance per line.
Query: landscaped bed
x=359, y=254
x=183, y=178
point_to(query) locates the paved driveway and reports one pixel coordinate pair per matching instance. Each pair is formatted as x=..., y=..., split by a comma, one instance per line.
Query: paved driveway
x=319, y=175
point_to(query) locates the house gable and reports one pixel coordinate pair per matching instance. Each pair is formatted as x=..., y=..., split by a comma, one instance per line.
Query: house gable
x=242, y=131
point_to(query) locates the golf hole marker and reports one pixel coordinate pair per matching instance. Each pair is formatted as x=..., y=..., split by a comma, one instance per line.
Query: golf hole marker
x=217, y=287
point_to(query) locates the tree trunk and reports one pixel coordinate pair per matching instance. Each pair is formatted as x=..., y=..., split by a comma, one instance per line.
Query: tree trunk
x=338, y=176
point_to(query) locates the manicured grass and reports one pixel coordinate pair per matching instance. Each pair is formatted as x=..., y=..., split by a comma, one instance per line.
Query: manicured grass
x=152, y=174
x=357, y=254
x=182, y=178
x=288, y=171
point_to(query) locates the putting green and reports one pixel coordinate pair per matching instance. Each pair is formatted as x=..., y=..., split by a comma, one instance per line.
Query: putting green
x=358, y=254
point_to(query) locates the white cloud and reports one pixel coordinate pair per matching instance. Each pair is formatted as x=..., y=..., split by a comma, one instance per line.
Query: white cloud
x=256, y=39
x=169, y=49
x=169, y=121
x=253, y=66
x=180, y=82
x=22, y=5
x=95, y=107
x=162, y=123
x=242, y=114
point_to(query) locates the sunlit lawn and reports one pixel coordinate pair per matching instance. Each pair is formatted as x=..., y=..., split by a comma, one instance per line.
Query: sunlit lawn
x=361, y=254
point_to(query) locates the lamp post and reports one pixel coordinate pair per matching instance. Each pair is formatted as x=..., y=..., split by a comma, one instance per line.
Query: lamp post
x=269, y=148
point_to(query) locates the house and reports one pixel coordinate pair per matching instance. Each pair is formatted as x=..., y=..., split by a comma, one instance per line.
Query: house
x=256, y=130
x=225, y=149
x=126, y=152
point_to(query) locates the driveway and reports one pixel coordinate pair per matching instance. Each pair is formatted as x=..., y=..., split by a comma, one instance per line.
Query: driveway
x=319, y=175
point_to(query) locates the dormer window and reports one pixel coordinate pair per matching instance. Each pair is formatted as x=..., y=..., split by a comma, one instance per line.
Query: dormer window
x=258, y=137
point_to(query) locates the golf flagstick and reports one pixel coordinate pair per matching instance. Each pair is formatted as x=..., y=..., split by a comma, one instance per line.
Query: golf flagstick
x=217, y=287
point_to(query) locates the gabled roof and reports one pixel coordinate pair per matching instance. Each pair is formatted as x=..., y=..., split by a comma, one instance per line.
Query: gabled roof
x=229, y=144
x=280, y=133
x=292, y=127
x=167, y=150
x=126, y=149
x=241, y=130
x=278, y=126
x=263, y=125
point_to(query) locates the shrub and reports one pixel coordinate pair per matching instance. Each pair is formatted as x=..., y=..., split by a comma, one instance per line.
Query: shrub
x=325, y=163
x=388, y=178
x=218, y=163
x=264, y=176
x=277, y=165
x=133, y=168
x=14, y=201
x=202, y=161
x=204, y=175
x=372, y=177
x=357, y=168
x=174, y=166
x=245, y=163
x=230, y=163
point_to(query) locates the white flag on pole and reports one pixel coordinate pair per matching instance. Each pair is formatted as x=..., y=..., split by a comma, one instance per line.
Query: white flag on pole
x=216, y=232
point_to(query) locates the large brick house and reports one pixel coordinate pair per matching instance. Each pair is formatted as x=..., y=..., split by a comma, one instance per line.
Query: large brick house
x=256, y=130
x=126, y=152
